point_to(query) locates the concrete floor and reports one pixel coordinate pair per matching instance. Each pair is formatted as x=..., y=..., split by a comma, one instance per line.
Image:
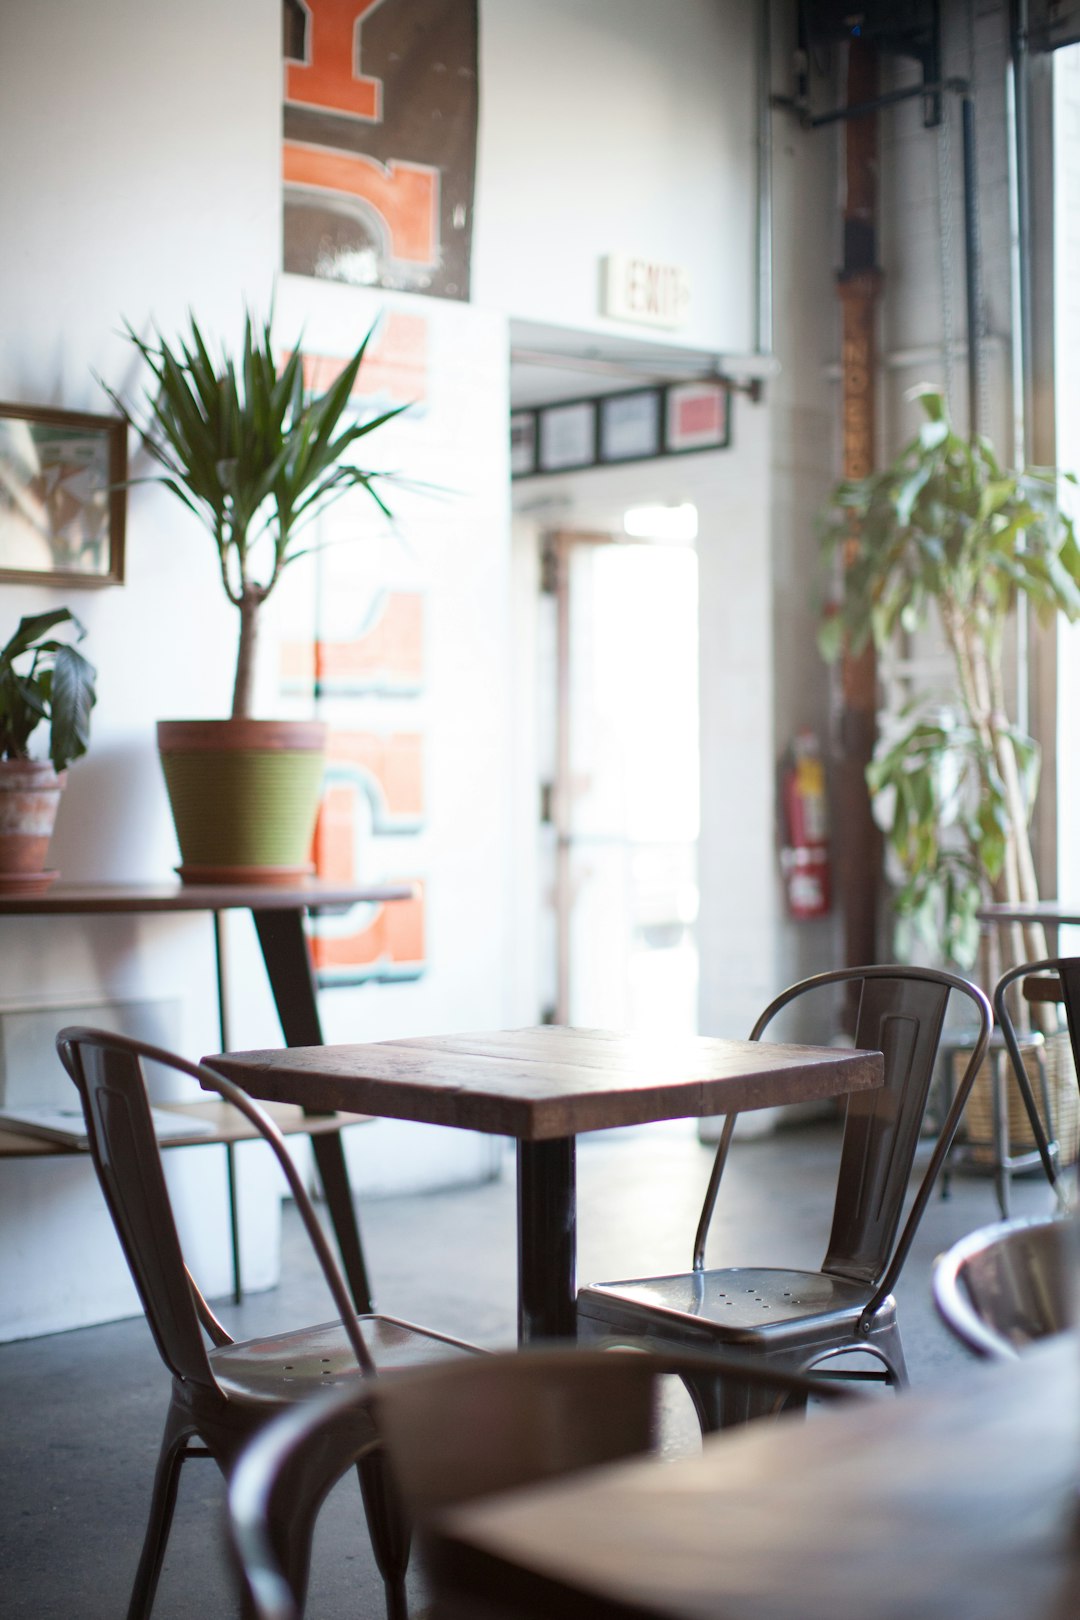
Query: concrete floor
x=80, y=1413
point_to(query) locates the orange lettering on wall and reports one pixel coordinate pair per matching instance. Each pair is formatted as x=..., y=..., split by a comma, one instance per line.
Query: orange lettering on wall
x=329, y=78
x=405, y=196
x=395, y=364
x=394, y=940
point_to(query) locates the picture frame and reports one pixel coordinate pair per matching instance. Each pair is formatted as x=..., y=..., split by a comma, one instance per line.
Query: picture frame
x=523, y=439
x=697, y=416
x=62, y=497
x=567, y=436
x=630, y=425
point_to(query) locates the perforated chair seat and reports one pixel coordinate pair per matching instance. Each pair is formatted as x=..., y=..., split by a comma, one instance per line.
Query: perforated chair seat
x=287, y=1367
x=736, y=1306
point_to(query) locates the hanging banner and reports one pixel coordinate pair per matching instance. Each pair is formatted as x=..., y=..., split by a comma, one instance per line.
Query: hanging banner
x=380, y=142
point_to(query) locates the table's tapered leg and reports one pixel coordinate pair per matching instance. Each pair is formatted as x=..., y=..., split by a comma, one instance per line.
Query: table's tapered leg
x=547, y=1240
x=288, y=967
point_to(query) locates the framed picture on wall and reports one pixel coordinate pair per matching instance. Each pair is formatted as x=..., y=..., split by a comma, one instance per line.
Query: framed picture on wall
x=522, y=443
x=630, y=425
x=62, y=496
x=696, y=417
x=567, y=436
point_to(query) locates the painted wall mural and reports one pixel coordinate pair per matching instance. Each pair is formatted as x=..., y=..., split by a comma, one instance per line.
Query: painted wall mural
x=379, y=149
x=358, y=655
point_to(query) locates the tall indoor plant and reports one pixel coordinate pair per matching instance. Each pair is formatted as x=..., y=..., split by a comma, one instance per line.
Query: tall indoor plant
x=255, y=458
x=44, y=680
x=947, y=534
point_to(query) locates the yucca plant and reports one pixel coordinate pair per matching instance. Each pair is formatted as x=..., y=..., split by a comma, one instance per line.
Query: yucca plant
x=945, y=531
x=45, y=679
x=245, y=449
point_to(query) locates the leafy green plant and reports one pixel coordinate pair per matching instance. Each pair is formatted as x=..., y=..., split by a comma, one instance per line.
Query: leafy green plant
x=43, y=679
x=946, y=532
x=255, y=458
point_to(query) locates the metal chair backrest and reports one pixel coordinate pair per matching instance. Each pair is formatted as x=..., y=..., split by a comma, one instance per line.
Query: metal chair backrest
x=1005, y=1286
x=108, y=1071
x=901, y=1013
x=1067, y=970
x=457, y=1431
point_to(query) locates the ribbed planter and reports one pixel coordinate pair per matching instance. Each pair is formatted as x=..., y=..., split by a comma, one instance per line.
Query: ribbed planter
x=29, y=799
x=244, y=796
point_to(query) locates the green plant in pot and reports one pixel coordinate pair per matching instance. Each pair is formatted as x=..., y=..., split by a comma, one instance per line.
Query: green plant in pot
x=44, y=680
x=947, y=534
x=255, y=458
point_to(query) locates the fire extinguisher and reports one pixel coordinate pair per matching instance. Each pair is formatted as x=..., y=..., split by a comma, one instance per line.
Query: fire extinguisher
x=804, y=857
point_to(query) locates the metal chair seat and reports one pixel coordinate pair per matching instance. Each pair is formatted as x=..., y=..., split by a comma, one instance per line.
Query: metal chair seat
x=288, y=1367
x=795, y=1320
x=736, y=1304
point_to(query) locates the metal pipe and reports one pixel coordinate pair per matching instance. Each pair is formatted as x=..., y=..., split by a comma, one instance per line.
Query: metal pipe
x=764, y=313
x=971, y=262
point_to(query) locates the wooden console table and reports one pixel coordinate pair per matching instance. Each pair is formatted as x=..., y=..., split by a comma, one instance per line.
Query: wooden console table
x=278, y=914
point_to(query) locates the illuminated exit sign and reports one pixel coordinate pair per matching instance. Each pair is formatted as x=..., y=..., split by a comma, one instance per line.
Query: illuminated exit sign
x=642, y=291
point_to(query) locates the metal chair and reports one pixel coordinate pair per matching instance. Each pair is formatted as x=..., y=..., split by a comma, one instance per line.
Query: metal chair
x=793, y=1319
x=454, y=1433
x=1060, y=975
x=1004, y=1286
x=222, y=1395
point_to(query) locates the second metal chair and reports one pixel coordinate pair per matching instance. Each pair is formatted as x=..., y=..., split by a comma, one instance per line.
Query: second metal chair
x=795, y=1319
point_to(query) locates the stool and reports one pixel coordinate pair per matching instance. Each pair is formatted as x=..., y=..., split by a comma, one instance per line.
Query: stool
x=1004, y=1162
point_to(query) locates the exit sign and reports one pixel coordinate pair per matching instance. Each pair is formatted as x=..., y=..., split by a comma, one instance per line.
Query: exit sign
x=642, y=291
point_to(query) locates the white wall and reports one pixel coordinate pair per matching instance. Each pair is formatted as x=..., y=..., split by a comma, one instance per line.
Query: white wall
x=616, y=126
x=143, y=178
x=142, y=159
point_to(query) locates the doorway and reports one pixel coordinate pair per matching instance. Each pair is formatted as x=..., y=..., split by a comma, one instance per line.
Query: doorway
x=620, y=770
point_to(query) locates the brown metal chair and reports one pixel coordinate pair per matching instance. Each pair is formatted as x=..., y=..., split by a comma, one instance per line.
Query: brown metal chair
x=454, y=1433
x=1056, y=979
x=792, y=1319
x=221, y=1395
x=1004, y=1286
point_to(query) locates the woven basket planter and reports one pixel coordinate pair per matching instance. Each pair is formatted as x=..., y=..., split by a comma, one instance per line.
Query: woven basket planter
x=978, y=1127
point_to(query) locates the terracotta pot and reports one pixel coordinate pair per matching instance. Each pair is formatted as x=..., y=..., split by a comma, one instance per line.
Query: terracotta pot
x=29, y=799
x=244, y=796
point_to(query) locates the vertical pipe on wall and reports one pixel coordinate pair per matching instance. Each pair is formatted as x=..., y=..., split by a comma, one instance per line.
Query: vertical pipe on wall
x=972, y=268
x=764, y=312
x=858, y=850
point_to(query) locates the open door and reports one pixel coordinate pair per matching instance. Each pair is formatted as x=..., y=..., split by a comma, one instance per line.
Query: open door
x=620, y=800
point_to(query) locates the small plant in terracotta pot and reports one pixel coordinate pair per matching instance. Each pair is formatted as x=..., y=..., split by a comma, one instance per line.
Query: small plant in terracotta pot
x=43, y=680
x=255, y=458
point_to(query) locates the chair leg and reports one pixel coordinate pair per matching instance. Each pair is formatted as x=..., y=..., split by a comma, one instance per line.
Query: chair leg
x=178, y=1431
x=391, y=1533
x=721, y=1403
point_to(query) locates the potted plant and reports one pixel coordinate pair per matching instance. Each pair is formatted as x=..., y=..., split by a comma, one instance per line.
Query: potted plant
x=42, y=679
x=245, y=449
x=947, y=537
x=945, y=533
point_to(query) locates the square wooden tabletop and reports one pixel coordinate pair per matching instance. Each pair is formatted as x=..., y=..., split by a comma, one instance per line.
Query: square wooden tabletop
x=551, y=1081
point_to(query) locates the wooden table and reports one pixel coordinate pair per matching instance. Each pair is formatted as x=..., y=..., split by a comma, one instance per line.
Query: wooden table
x=963, y=1504
x=278, y=914
x=543, y=1087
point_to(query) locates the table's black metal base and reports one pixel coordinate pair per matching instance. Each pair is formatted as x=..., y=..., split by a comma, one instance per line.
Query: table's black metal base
x=547, y=1240
x=288, y=967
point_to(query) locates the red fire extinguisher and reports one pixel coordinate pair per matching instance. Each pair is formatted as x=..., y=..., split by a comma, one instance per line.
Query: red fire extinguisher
x=804, y=858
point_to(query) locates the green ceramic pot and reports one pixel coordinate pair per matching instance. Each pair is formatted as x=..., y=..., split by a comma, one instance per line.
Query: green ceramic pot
x=244, y=796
